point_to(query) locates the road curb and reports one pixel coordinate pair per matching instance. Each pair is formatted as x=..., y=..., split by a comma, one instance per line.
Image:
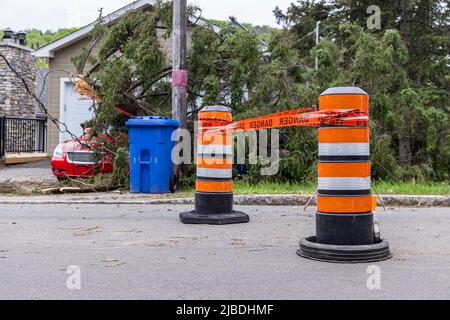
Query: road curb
x=244, y=200
x=387, y=200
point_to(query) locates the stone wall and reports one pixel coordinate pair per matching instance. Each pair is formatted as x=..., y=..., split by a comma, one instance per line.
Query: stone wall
x=14, y=100
x=41, y=90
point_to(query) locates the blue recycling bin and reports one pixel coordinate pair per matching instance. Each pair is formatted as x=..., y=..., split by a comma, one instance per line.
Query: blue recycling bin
x=151, y=153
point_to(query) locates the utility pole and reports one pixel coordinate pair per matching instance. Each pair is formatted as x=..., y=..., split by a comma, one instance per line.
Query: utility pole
x=179, y=73
x=234, y=21
x=317, y=41
x=317, y=58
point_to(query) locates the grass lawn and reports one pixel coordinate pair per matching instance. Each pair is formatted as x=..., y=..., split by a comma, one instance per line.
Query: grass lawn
x=381, y=187
x=412, y=188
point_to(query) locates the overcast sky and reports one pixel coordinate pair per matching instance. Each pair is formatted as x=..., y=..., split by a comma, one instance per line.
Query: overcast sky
x=55, y=14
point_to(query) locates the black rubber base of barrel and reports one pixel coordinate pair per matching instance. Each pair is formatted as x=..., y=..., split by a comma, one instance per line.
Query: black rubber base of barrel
x=344, y=229
x=193, y=217
x=213, y=202
x=310, y=249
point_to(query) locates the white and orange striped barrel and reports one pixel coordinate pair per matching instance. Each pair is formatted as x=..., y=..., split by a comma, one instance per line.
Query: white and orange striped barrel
x=344, y=157
x=214, y=185
x=214, y=151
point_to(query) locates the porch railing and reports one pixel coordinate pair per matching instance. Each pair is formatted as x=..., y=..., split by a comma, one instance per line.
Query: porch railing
x=22, y=135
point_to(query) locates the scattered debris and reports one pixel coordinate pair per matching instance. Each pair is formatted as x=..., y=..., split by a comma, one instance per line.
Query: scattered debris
x=128, y=231
x=64, y=190
x=237, y=242
x=110, y=260
x=114, y=265
x=84, y=231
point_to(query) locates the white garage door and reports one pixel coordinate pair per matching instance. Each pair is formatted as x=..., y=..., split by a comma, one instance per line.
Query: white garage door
x=75, y=110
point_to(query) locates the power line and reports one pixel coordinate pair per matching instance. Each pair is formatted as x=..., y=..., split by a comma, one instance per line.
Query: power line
x=43, y=107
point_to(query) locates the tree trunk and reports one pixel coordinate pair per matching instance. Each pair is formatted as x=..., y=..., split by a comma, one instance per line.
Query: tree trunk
x=405, y=142
x=404, y=22
x=405, y=151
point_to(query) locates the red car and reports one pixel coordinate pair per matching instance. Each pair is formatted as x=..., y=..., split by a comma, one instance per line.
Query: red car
x=74, y=159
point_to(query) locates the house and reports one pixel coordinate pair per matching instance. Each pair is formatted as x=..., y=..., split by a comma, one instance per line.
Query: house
x=14, y=99
x=22, y=128
x=64, y=102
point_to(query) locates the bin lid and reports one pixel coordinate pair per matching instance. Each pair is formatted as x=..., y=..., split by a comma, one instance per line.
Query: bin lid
x=344, y=90
x=152, y=121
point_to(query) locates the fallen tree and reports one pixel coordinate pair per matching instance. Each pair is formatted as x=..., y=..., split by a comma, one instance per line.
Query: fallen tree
x=231, y=66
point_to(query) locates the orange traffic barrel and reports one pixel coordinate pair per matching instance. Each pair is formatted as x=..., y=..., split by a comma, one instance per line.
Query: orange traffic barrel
x=344, y=218
x=214, y=183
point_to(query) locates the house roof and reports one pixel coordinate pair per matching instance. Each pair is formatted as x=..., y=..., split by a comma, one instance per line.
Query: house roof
x=49, y=50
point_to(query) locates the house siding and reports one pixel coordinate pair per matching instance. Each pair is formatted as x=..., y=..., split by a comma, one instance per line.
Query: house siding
x=60, y=67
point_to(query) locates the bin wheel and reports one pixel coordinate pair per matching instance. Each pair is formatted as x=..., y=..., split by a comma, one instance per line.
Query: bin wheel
x=173, y=184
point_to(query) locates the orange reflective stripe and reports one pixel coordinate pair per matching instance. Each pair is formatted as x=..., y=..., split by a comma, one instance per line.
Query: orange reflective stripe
x=344, y=135
x=215, y=115
x=374, y=202
x=342, y=170
x=215, y=139
x=214, y=186
x=344, y=101
x=344, y=204
x=205, y=161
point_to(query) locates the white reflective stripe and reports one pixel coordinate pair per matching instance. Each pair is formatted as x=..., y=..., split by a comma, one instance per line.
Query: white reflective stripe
x=343, y=90
x=344, y=184
x=344, y=149
x=216, y=108
x=214, y=149
x=214, y=173
x=215, y=130
x=358, y=118
x=341, y=110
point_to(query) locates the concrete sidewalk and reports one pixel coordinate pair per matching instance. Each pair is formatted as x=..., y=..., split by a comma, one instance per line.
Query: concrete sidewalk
x=167, y=199
x=23, y=172
x=26, y=177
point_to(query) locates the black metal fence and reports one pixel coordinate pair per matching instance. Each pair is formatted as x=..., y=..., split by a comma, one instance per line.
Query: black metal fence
x=19, y=135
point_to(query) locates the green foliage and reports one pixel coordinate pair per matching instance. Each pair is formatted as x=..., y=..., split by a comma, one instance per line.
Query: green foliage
x=406, y=75
x=381, y=187
x=37, y=38
x=120, y=176
x=223, y=65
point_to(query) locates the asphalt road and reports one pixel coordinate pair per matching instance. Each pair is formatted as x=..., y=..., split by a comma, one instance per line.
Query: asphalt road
x=144, y=252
